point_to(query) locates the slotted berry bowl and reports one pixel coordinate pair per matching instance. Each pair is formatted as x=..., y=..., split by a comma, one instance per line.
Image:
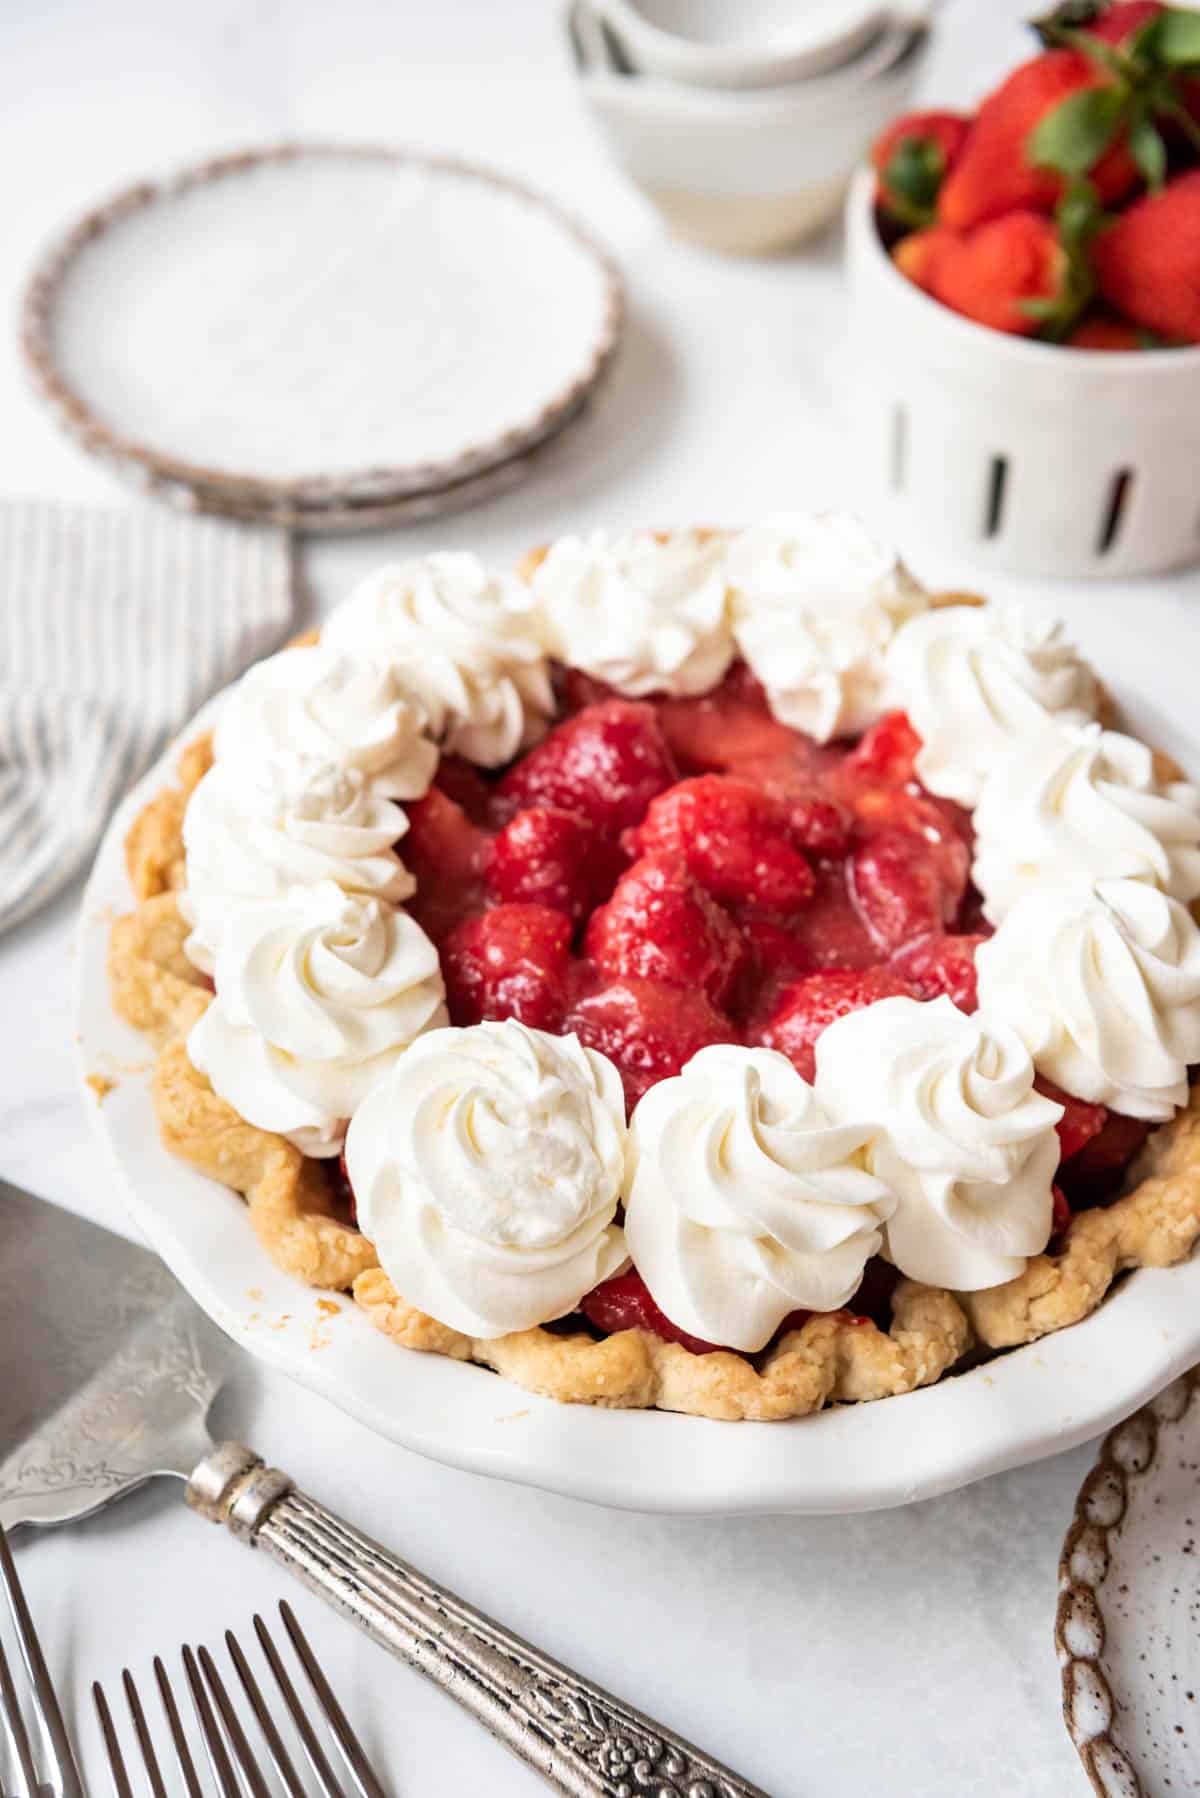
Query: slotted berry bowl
x=1021, y=455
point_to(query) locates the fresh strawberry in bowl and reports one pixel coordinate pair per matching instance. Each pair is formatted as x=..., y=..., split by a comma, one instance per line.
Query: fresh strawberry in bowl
x=1025, y=285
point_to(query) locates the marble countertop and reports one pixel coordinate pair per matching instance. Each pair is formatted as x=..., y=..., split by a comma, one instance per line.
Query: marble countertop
x=811, y=1653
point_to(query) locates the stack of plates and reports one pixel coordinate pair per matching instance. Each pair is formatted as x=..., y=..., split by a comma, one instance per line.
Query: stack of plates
x=325, y=337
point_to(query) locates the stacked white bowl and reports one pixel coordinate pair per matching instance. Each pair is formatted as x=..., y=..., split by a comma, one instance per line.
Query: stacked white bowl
x=742, y=121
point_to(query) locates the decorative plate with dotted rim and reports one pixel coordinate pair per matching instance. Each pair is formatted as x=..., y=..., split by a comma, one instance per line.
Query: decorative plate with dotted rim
x=315, y=333
x=1128, y=1624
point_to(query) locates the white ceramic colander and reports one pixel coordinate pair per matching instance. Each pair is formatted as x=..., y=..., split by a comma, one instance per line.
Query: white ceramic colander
x=1020, y=455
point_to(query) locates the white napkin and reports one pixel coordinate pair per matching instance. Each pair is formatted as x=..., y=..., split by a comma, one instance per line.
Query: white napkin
x=114, y=627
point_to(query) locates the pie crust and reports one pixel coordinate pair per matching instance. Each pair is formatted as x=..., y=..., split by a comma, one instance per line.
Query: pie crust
x=832, y=1358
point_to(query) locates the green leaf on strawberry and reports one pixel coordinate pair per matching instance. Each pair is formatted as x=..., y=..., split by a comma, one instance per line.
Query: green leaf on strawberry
x=1078, y=216
x=1173, y=38
x=912, y=178
x=1074, y=135
x=1148, y=150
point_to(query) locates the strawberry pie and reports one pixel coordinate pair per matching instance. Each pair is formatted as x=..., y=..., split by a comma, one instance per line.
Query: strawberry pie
x=702, y=970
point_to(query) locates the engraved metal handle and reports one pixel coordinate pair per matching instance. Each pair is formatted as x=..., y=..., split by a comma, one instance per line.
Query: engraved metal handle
x=584, y=1741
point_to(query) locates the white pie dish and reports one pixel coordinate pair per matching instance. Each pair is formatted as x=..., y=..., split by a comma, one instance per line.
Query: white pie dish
x=1022, y=1406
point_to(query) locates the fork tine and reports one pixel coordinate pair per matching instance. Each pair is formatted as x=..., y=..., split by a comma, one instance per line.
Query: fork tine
x=112, y=1745
x=183, y=1752
x=284, y=1765
x=217, y=1755
x=317, y=1760
x=142, y=1731
x=243, y=1752
x=69, y=1782
x=11, y=1709
x=347, y=1741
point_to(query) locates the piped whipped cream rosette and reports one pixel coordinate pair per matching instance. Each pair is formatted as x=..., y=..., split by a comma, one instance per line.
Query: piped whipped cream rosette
x=816, y=601
x=360, y=714
x=1082, y=803
x=958, y=1135
x=253, y=832
x=978, y=680
x=746, y=1201
x=1102, y=983
x=642, y=612
x=488, y=1169
x=468, y=637
x=318, y=995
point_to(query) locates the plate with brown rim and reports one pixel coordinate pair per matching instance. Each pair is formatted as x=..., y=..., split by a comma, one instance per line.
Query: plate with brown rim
x=315, y=333
x=1128, y=1622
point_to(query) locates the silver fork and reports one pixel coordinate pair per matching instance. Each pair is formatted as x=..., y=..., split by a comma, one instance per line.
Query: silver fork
x=63, y=1775
x=207, y=1689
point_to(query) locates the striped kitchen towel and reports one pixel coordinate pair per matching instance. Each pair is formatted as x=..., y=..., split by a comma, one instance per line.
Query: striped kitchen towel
x=114, y=626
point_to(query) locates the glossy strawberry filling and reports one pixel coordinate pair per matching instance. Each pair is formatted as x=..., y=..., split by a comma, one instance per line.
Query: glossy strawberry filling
x=661, y=875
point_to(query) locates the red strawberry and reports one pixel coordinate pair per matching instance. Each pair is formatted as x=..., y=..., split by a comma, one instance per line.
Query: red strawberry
x=774, y=959
x=734, y=840
x=659, y=925
x=1096, y=1168
x=607, y=762
x=812, y=1004
x=1147, y=261
x=1000, y=269
x=1117, y=24
x=888, y=751
x=1079, y=1123
x=649, y=1030
x=829, y=929
x=938, y=964
x=547, y=856
x=723, y=728
x=897, y=889
x=912, y=159
x=462, y=782
x=943, y=830
x=580, y=690
x=447, y=855
x=1060, y=1217
x=340, y=1189
x=1103, y=331
x=816, y=822
x=918, y=255
x=625, y=1304
x=996, y=173
x=510, y=962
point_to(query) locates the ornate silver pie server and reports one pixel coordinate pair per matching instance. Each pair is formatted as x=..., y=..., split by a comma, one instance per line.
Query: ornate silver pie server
x=118, y=1370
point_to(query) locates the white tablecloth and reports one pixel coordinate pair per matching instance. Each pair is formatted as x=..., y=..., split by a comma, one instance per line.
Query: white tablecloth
x=909, y=1652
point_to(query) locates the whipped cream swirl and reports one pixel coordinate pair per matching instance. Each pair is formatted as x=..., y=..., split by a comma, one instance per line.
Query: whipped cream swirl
x=1083, y=803
x=816, y=601
x=315, y=702
x=747, y=1202
x=1102, y=983
x=488, y=1169
x=318, y=995
x=959, y=1136
x=469, y=637
x=978, y=680
x=644, y=614
x=252, y=832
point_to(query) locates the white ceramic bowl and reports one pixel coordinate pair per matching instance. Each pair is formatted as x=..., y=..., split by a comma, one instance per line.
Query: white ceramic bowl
x=1032, y=1402
x=1019, y=455
x=749, y=173
x=740, y=43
